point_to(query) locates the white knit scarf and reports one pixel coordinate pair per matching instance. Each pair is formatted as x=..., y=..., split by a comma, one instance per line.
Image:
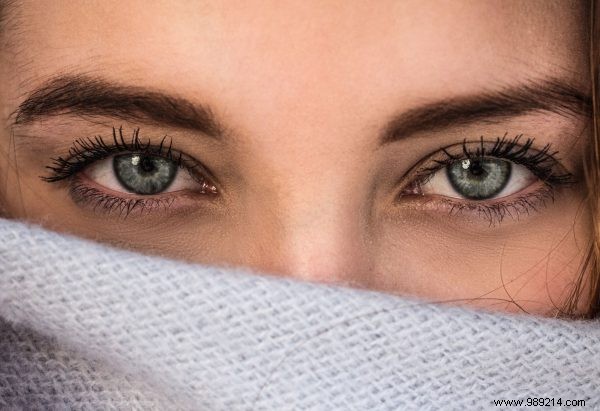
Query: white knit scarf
x=85, y=326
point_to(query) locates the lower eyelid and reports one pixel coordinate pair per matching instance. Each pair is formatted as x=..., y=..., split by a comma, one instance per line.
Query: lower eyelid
x=100, y=203
x=494, y=211
x=88, y=194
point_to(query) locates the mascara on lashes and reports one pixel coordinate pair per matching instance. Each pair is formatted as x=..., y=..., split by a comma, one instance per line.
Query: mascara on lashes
x=542, y=163
x=88, y=150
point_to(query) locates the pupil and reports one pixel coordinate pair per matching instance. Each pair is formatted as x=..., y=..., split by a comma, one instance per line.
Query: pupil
x=476, y=169
x=147, y=165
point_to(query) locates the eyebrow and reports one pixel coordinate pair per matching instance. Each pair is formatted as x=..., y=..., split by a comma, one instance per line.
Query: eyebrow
x=83, y=95
x=551, y=95
x=88, y=96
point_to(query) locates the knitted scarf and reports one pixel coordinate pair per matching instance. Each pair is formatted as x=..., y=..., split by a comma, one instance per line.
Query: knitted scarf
x=85, y=326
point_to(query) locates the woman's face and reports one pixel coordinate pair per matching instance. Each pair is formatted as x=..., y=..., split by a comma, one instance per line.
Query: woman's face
x=424, y=148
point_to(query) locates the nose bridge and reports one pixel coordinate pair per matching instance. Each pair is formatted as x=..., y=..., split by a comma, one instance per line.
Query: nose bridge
x=309, y=201
x=319, y=234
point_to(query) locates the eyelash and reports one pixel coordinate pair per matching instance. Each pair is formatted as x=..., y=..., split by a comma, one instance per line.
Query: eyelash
x=542, y=163
x=86, y=151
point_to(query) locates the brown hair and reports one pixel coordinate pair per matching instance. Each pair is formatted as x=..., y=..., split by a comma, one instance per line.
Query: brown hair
x=590, y=270
x=592, y=166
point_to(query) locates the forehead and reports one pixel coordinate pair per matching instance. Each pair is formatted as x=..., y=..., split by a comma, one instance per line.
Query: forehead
x=276, y=53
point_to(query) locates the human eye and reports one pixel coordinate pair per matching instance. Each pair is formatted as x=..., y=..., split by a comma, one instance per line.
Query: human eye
x=125, y=174
x=490, y=179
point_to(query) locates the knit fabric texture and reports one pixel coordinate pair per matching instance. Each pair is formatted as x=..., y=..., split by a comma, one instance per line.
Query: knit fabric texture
x=87, y=327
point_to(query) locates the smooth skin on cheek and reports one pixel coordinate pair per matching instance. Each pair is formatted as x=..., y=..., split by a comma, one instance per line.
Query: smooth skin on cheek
x=409, y=147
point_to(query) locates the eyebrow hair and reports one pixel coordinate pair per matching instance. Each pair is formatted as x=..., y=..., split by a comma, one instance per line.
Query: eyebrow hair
x=83, y=95
x=550, y=95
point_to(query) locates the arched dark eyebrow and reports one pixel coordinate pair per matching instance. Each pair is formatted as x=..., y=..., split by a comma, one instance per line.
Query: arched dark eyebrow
x=88, y=96
x=550, y=95
x=83, y=95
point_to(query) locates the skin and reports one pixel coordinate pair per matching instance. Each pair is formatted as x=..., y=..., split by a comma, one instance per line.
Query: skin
x=305, y=90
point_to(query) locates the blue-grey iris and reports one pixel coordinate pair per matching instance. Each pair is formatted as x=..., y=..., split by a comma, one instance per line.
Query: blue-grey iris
x=480, y=178
x=144, y=174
